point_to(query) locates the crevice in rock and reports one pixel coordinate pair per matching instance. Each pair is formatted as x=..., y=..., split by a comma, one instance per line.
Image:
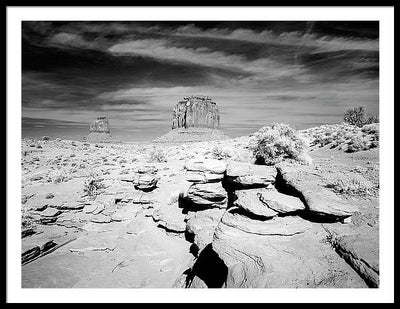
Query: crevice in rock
x=189, y=237
x=317, y=218
x=250, y=215
x=209, y=268
x=194, y=250
x=283, y=187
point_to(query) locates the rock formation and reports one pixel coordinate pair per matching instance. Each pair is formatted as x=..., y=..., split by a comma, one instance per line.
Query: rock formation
x=194, y=119
x=100, y=130
x=196, y=111
x=100, y=125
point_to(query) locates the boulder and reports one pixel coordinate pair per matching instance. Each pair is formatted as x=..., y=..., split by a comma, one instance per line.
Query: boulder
x=146, y=182
x=90, y=208
x=206, y=166
x=202, y=224
x=246, y=175
x=147, y=169
x=281, y=203
x=50, y=212
x=249, y=200
x=302, y=182
x=171, y=218
x=208, y=195
x=196, y=111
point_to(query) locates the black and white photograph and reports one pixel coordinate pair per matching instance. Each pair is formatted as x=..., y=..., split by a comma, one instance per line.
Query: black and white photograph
x=186, y=153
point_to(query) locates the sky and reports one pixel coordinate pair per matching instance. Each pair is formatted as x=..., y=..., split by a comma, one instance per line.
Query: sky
x=304, y=74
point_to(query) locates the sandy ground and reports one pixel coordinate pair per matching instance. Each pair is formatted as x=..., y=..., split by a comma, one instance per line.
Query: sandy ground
x=132, y=250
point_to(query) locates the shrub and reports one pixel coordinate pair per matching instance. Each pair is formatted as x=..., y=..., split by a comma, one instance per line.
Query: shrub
x=61, y=177
x=157, y=155
x=27, y=220
x=352, y=186
x=92, y=185
x=358, y=142
x=373, y=119
x=218, y=153
x=277, y=143
x=372, y=129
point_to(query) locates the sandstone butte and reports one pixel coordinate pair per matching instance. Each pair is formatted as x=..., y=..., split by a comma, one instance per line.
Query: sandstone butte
x=100, y=130
x=196, y=111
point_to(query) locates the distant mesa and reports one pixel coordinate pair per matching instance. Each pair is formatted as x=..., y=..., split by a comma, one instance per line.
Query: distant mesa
x=194, y=119
x=100, y=131
x=100, y=125
x=196, y=111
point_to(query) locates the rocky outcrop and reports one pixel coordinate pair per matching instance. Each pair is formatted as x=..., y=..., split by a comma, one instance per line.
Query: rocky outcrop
x=146, y=182
x=100, y=131
x=196, y=111
x=249, y=201
x=284, y=252
x=319, y=200
x=207, y=190
x=208, y=195
x=170, y=218
x=240, y=175
x=194, y=119
x=202, y=224
x=359, y=248
x=100, y=125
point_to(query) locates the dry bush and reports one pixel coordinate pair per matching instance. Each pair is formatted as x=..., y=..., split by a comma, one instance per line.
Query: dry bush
x=350, y=186
x=277, y=143
x=345, y=137
x=61, y=177
x=27, y=220
x=358, y=142
x=92, y=185
x=218, y=153
x=158, y=155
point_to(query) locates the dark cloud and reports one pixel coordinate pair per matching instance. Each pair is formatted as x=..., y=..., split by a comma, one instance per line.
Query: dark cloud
x=257, y=72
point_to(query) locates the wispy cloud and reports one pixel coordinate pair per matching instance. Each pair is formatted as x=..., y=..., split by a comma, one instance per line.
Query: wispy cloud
x=135, y=72
x=320, y=43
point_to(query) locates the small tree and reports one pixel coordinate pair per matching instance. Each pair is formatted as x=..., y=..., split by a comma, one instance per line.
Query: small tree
x=355, y=116
x=372, y=119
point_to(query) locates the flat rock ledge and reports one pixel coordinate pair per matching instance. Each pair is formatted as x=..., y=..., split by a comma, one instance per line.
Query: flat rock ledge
x=307, y=186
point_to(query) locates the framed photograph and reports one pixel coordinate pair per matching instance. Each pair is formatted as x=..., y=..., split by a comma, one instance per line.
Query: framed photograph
x=200, y=154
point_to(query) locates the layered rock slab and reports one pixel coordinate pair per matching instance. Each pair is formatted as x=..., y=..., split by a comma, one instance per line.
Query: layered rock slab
x=308, y=186
x=275, y=254
x=207, y=195
x=202, y=225
x=206, y=177
x=359, y=248
x=241, y=175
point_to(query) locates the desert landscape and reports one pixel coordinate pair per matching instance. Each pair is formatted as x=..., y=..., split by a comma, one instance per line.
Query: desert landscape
x=195, y=208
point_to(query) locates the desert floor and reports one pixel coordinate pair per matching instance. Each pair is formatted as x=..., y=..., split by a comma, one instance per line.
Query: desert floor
x=112, y=238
